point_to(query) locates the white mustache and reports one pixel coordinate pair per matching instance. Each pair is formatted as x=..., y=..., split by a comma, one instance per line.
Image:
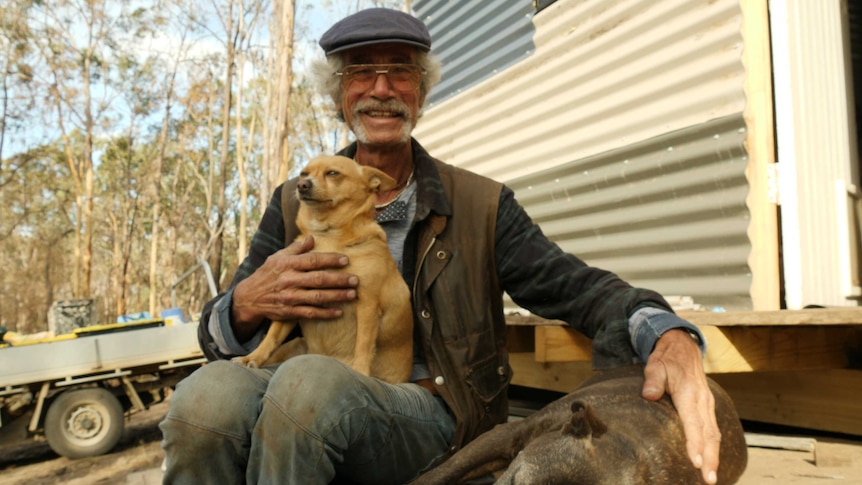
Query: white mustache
x=392, y=105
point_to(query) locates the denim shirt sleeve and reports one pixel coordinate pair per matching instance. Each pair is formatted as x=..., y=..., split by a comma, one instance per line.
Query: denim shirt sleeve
x=222, y=333
x=647, y=324
x=540, y=277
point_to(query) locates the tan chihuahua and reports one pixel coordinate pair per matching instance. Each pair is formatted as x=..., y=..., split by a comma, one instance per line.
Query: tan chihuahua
x=374, y=335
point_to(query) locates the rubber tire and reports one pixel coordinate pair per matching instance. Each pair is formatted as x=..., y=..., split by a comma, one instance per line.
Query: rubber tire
x=97, y=403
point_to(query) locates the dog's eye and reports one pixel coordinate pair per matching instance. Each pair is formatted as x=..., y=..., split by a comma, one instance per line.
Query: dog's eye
x=333, y=173
x=304, y=173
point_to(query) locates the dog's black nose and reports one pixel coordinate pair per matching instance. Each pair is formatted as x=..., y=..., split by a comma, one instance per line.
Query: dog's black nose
x=303, y=186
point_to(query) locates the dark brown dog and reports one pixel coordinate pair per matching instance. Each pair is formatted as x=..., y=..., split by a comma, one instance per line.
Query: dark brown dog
x=604, y=433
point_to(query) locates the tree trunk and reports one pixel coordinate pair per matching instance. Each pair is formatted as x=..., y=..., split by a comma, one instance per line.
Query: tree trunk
x=87, y=161
x=285, y=84
x=157, y=194
x=279, y=153
x=242, y=244
x=225, y=146
x=87, y=256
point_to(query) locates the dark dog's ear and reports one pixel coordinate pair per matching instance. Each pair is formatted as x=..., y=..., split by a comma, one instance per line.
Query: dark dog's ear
x=584, y=423
x=378, y=181
x=578, y=426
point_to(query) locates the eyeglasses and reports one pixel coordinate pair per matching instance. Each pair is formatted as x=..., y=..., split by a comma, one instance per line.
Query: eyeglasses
x=402, y=77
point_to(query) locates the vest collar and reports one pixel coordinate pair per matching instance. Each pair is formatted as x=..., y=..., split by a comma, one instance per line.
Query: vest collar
x=430, y=195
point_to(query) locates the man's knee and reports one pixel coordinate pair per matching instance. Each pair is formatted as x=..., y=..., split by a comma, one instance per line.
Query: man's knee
x=212, y=414
x=314, y=374
x=218, y=394
x=315, y=382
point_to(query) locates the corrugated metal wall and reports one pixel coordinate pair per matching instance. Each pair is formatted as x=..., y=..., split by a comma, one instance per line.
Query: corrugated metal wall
x=622, y=133
x=476, y=39
x=667, y=214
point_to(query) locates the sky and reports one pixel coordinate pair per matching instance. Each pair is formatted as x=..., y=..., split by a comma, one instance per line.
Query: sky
x=313, y=18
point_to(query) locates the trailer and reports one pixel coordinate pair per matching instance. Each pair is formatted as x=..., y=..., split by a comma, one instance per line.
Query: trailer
x=75, y=390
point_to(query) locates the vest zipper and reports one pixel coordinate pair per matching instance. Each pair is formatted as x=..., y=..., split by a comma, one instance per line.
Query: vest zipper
x=421, y=263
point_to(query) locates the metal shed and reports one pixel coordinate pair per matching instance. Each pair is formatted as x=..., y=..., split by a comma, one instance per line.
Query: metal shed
x=639, y=135
x=706, y=149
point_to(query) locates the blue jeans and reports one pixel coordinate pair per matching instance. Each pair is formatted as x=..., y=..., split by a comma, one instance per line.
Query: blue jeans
x=302, y=422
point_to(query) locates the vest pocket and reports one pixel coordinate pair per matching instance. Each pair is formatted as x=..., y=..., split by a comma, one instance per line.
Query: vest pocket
x=489, y=377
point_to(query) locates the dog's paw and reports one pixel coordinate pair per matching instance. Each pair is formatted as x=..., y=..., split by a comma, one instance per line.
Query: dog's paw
x=245, y=362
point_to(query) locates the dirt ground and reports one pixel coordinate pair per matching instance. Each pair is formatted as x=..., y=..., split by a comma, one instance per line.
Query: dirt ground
x=138, y=458
x=840, y=463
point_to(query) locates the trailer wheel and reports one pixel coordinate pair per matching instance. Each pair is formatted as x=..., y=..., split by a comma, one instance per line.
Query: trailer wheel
x=86, y=422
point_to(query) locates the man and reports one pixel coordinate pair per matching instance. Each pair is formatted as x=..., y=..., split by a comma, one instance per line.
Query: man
x=460, y=240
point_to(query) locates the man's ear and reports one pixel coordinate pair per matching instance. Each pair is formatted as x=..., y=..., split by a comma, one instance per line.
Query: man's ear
x=339, y=111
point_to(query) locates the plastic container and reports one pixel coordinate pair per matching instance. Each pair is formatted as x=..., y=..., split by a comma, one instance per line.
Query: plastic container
x=173, y=316
x=134, y=317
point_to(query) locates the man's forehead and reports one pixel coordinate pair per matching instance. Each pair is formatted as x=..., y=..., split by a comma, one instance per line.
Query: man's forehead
x=380, y=53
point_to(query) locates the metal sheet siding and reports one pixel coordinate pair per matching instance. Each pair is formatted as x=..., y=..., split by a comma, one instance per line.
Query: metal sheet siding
x=622, y=135
x=667, y=214
x=475, y=39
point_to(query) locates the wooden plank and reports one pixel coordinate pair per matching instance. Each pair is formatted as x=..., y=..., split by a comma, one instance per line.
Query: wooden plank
x=734, y=349
x=792, y=443
x=812, y=316
x=763, y=232
x=746, y=349
x=520, y=339
x=736, y=341
x=556, y=376
x=562, y=344
x=828, y=400
x=816, y=316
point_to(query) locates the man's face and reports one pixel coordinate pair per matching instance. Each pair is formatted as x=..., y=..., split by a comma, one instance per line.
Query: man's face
x=380, y=110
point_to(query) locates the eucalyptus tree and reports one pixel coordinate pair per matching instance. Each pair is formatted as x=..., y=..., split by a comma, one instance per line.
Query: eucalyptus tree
x=234, y=24
x=16, y=74
x=245, y=126
x=34, y=232
x=279, y=88
x=168, y=87
x=121, y=180
x=78, y=42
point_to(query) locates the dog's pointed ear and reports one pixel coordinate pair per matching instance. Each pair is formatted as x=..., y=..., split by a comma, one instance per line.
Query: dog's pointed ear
x=584, y=423
x=378, y=181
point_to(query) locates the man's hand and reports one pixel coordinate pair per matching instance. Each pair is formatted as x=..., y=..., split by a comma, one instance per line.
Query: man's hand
x=676, y=367
x=292, y=283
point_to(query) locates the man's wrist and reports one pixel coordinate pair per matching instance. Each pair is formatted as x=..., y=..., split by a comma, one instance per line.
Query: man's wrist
x=694, y=335
x=648, y=324
x=223, y=332
x=243, y=319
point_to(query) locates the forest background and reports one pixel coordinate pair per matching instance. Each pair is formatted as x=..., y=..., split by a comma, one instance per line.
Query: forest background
x=139, y=137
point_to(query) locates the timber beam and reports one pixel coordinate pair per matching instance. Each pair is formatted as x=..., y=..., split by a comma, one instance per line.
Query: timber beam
x=736, y=341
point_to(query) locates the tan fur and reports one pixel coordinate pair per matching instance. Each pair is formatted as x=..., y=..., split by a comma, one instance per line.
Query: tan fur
x=374, y=335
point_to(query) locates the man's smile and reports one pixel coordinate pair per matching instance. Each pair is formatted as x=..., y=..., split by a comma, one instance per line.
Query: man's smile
x=382, y=114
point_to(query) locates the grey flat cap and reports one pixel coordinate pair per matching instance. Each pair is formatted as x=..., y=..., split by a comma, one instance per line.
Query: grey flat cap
x=375, y=26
